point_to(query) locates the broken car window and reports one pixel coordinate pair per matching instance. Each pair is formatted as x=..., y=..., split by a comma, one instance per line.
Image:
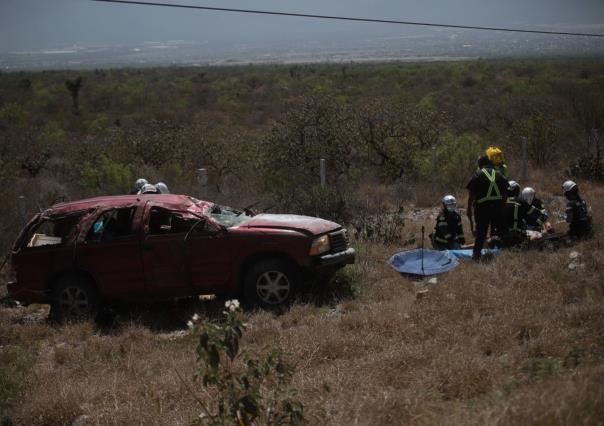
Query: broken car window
x=228, y=216
x=162, y=221
x=111, y=225
x=53, y=231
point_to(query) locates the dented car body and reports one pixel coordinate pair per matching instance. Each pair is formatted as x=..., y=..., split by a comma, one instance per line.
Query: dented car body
x=81, y=254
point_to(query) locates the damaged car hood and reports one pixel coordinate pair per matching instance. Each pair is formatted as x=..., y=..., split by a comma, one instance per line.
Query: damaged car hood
x=305, y=224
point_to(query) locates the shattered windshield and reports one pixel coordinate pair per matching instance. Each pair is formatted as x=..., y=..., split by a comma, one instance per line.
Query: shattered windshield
x=228, y=216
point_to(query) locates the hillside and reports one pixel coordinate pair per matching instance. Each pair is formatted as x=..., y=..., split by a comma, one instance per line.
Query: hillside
x=514, y=341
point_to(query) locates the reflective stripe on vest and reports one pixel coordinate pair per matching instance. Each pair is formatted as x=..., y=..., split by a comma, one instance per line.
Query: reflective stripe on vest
x=492, y=187
x=515, y=227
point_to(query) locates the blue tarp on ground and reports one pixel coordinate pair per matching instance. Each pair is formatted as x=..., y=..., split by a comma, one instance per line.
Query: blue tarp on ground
x=434, y=262
x=467, y=254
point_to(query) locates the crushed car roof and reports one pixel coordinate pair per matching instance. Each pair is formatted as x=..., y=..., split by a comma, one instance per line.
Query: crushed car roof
x=169, y=201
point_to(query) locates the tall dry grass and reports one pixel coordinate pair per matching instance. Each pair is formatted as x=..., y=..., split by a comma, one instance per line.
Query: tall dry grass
x=515, y=341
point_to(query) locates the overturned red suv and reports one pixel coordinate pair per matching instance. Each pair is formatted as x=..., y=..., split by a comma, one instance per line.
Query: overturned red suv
x=79, y=255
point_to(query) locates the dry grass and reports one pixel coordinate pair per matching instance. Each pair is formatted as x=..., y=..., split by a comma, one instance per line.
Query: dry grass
x=515, y=341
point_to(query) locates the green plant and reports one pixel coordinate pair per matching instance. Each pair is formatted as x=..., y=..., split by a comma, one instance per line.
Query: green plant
x=242, y=389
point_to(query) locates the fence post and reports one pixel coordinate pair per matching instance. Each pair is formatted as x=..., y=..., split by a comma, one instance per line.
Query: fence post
x=322, y=171
x=596, y=139
x=202, y=178
x=524, y=161
x=434, y=170
x=22, y=208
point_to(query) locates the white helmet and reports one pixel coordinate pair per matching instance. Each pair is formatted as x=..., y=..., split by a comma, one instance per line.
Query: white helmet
x=513, y=187
x=450, y=203
x=568, y=186
x=162, y=188
x=528, y=195
x=148, y=189
x=140, y=183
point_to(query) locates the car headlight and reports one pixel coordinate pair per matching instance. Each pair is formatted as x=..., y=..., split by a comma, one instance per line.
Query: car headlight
x=319, y=245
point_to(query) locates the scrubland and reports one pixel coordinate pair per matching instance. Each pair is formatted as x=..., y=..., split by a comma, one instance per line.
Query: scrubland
x=518, y=340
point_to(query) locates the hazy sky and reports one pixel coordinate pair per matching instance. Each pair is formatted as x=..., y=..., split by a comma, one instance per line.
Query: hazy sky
x=32, y=24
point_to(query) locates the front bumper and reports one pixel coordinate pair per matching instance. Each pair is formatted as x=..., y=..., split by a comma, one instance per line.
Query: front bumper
x=342, y=258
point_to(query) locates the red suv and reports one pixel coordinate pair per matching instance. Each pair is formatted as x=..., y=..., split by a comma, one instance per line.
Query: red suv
x=79, y=255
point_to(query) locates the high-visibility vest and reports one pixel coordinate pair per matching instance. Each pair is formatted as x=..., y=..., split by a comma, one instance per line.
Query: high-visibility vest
x=493, y=188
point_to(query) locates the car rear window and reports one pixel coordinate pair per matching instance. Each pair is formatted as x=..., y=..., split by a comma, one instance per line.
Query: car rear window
x=53, y=231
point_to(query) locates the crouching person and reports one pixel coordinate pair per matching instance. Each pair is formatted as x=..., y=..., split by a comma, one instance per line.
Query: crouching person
x=515, y=212
x=578, y=216
x=448, y=232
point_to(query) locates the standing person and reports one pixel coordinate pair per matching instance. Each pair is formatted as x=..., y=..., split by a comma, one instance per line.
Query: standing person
x=162, y=188
x=448, y=232
x=578, y=216
x=496, y=157
x=486, y=195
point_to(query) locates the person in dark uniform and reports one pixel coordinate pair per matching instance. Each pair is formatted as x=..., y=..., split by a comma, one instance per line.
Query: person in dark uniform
x=513, y=189
x=448, y=232
x=578, y=216
x=515, y=212
x=536, y=217
x=487, y=191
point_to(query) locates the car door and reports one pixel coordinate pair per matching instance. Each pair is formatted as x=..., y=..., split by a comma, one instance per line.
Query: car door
x=210, y=255
x=163, y=252
x=110, y=252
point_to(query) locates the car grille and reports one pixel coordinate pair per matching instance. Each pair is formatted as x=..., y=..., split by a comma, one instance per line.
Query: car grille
x=338, y=241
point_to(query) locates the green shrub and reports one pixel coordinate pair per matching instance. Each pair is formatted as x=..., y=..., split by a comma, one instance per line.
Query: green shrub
x=242, y=389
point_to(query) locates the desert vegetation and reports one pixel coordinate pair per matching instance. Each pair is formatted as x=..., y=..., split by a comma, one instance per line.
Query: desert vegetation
x=515, y=341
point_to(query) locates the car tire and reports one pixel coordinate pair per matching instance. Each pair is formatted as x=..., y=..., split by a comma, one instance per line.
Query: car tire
x=271, y=284
x=74, y=299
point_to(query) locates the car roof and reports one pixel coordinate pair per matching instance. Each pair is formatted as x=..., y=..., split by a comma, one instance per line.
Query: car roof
x=169, y=201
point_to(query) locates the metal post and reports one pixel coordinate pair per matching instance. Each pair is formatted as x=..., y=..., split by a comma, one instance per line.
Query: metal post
x=524, y=160
x=434, y=170
x=322, y=171
x=202, y=178
x=22, y=208
x=596, y=139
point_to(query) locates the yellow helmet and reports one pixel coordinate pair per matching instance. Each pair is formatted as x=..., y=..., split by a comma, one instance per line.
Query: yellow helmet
x=495, y=156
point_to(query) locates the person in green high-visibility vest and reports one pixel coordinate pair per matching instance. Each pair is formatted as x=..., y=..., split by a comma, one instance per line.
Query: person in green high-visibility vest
x=487, y=192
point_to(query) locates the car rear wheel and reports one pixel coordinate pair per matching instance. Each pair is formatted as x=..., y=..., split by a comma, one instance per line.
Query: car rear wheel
x=74, y=299
x=271, y=283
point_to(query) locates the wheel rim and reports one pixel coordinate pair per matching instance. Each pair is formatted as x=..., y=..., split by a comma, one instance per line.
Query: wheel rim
x=74, y=302
x=273, y=287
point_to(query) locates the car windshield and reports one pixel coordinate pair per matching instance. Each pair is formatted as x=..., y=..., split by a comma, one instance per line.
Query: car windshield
x=228, y=216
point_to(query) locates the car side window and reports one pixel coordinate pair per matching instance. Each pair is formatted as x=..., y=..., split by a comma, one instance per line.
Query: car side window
x=111, y=225
x=163, y=221
x=53, y=231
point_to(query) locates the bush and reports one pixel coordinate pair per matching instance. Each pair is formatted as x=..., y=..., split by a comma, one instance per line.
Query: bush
x=243, y=390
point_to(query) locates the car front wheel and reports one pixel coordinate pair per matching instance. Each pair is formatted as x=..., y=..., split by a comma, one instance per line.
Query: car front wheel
x=271, y=283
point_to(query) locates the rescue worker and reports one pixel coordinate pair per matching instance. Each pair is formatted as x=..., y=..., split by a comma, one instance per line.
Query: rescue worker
x=138, y=186
x=515, y=211
x=448, y=232
x=578, y=215
x=496, y=157
x=513, y=189
x=148, y=189
x=536, y=218
x=162, y=188
x=486, y=196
